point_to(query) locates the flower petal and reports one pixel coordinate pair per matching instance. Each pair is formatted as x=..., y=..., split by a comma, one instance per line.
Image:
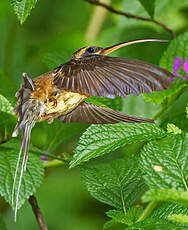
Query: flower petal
x=186, y=66
x=177, y=64
x=44, y=158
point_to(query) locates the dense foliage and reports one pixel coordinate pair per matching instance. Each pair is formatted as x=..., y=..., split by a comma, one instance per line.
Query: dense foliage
x=139, y=171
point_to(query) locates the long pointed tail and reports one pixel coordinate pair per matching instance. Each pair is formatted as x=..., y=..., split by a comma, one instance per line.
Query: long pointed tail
x=26, y=133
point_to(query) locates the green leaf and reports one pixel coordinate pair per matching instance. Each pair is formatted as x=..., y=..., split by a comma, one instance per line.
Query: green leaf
x=172, y=195
x=118, y=183
x=22, y=8
x=171, y=128
x=117, y=217
x=116, y=103
x=5, y=105
x=7, y=124
x=176, y=113
x=101, y=139
x=109, y=224
x=7, y=119
x=177, y=48
x=160, y=97
x=149, y=6
x=164, y=162
x=168, y=209
x=32, y=177
x=125, y=218
x=187, y=111
x=153, y=224
x=179, y=218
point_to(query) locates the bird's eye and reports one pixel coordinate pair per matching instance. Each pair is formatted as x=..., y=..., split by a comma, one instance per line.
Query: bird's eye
x=90, y=50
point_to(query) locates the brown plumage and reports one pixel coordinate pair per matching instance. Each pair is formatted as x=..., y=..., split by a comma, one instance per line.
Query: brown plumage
x=62, y=92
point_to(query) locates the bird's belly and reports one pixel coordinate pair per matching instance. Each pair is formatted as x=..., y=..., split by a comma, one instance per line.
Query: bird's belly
x=64, y=103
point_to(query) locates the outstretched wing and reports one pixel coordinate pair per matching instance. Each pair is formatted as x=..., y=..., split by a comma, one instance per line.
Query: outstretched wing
x=92, y=114
x=100, y=76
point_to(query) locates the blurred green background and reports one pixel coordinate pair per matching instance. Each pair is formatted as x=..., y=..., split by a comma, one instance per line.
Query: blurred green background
x=48, y=38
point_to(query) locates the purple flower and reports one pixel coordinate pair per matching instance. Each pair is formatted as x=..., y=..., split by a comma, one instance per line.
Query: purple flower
x=186, y=68
x=177, y=64
x=44, y=158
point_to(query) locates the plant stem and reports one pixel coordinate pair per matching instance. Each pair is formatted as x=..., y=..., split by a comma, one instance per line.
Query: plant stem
x=53, y=163
x=128, y=15
x=50, y=156
x=148, y=210
x=37, y=212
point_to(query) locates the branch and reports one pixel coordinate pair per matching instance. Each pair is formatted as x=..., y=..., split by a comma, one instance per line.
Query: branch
x=128, y=15
x=37, y=212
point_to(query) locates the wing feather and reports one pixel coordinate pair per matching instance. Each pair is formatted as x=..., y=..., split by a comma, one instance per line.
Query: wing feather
x=100, y=75
x=93, y=114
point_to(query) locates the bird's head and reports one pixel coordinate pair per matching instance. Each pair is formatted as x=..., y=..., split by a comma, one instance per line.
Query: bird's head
x=95, y=50
x=87, y=51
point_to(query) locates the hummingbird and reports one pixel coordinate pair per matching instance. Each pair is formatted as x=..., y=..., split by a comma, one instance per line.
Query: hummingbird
x=62, y=93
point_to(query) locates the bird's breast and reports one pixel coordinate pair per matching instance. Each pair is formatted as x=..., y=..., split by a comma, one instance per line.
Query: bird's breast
x=62, y=103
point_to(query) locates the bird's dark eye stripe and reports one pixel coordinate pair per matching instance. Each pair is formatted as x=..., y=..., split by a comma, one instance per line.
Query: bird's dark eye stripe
x=91, y=50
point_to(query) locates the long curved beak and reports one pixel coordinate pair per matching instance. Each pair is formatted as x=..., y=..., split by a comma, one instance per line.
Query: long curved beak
x=110, y=49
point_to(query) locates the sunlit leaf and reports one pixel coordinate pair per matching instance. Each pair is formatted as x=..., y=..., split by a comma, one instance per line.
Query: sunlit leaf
x=153, y=224
x=171, y=128
x=181, y=218
x=101, y=139
x=22, y=8
x=118, y=183
x=160, y=97
x=177, y=48
x=128, y=218
x=5, y=105
x=164, y=162
x=32, y=177
x=166, y=195
x=169, y=209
